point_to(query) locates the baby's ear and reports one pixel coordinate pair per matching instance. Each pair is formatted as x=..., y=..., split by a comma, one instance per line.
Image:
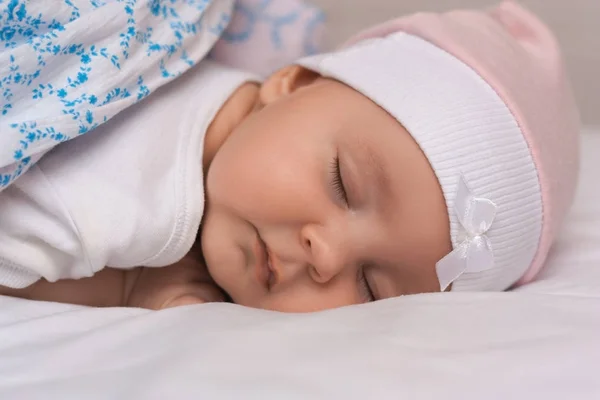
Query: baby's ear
x=286, y=81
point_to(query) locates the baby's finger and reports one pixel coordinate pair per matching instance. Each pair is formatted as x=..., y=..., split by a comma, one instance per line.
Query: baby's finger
x=196, y=294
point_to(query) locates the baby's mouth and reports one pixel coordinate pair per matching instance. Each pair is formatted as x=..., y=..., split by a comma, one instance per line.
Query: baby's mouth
x=265, y=272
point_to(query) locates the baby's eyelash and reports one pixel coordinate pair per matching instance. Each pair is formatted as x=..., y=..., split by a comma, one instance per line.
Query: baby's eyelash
x=337, y=181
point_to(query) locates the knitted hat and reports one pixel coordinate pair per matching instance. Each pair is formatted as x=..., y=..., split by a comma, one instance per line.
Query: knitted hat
x=486, y=97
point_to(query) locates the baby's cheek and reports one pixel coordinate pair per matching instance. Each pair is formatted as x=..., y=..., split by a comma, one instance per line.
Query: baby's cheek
x=218, y=246
x=268, y=188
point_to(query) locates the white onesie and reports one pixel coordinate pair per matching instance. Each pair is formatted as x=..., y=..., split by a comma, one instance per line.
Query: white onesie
x=129, y=193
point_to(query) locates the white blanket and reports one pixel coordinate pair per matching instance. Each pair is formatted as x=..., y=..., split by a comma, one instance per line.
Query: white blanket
x=68, y=66
x=539, y=342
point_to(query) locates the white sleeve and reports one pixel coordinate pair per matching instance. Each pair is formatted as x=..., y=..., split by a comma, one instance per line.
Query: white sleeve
x=38, y=239
x=128, y=194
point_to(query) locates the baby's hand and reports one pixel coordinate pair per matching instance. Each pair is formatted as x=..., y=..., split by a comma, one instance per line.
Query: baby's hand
x=186, y=282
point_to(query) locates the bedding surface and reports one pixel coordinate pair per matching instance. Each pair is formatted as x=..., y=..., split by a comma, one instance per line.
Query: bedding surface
x=540, y=341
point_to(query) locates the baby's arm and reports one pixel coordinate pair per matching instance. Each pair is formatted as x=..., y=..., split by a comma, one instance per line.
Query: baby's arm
x=107, y=288
x=185, y=282
x=40, y=241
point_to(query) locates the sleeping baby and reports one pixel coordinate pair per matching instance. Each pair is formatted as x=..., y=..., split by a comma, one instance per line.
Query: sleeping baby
x=435, y=152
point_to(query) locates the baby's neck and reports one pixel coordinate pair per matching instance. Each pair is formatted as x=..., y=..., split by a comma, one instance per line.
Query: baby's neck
x=239, y=105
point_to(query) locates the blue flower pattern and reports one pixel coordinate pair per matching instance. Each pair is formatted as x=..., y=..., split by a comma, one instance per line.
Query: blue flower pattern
x=256, y=12
x=67, y=66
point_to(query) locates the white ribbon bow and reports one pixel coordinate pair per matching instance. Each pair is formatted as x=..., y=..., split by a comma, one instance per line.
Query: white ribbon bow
x=474, y=253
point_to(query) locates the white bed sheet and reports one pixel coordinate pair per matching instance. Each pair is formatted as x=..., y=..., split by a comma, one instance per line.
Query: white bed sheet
x=541, y=341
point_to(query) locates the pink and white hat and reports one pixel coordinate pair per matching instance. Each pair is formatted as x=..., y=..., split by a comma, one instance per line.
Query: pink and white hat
x=486, y=97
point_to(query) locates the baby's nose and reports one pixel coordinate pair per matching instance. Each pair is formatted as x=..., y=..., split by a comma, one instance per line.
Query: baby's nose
x=327, y=252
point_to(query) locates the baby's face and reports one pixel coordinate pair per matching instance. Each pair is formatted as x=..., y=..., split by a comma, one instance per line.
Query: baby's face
x=319, y=200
